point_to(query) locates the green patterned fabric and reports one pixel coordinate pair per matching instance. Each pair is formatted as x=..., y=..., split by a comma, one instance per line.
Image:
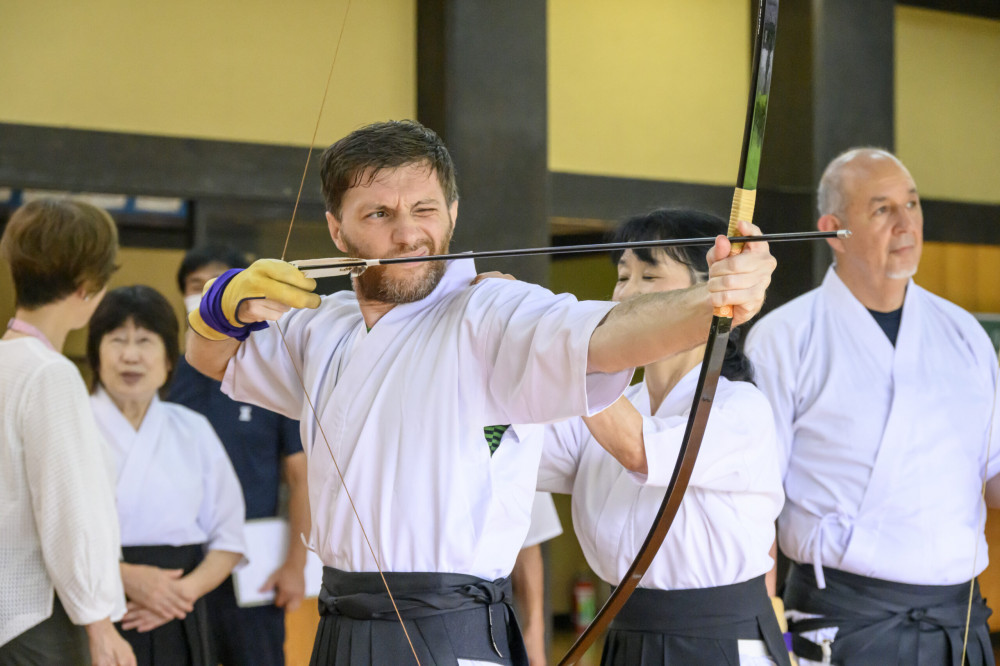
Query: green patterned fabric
x=493, y=434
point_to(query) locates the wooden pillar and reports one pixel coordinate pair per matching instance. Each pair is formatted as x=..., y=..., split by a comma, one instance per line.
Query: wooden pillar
x=832, y=90
x=481, y=85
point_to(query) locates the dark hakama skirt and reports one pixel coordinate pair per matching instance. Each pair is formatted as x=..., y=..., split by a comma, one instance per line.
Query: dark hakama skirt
x=883, y=623
x=699, y=627
x=448, y=617
x=184, y=642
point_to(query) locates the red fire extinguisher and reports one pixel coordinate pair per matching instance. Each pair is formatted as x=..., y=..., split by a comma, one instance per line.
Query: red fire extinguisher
x=584, y=603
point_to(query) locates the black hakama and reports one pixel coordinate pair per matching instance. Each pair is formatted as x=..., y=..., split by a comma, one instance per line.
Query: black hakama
x=698, y=627
x=184, y=642
x=882, y=622
x=448, y=617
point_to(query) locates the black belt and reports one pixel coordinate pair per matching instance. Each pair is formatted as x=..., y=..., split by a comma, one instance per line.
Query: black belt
x=363, y=596
x=185, y=558
x=868, y=610
x=737, y=611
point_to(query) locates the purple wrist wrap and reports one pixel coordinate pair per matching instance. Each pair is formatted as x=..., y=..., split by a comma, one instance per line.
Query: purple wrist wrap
x=211, y=309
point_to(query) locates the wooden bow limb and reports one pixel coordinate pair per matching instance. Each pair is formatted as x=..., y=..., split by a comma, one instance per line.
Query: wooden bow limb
x=715, y=350
x=332, y=266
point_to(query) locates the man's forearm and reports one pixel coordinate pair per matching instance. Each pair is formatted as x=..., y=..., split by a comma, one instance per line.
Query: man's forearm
x=649, y=328
x=209, y=357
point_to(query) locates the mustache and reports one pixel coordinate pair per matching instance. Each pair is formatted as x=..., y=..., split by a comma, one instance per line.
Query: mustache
x=406, y=249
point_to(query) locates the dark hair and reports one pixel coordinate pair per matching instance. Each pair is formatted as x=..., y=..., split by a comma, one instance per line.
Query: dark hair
x=148, y=309
x=365, y=152
x=56, y=246
x=667, y=223
x=203, y=255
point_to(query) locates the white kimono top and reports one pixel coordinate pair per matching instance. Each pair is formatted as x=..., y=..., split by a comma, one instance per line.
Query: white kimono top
x=58, y=525
x=724, y=528
x=403, y=408
x=545, y=523
x=883, y=447
x=176, y=485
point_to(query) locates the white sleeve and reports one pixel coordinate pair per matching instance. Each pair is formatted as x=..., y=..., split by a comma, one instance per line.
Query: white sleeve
x=545, y=523
x=537, y=345
x=266, y=373
x=223, y=510
x=986, y=358
x=775, y=375
x=993, y=467
x=67, y=466
x=562, y=447
x=739, y=429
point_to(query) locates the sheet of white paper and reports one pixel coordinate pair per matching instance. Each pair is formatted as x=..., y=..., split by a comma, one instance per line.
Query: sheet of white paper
x=267, y=544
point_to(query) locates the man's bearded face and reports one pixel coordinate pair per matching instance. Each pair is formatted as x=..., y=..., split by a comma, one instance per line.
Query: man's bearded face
x=395, y=213
x=400, y=283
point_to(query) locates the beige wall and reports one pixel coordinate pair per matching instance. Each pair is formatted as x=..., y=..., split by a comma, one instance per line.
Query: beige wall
x=243, y=70
x=948, y=103
x=648, y=88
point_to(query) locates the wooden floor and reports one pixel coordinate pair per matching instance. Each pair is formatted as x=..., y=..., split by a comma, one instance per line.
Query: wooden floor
x=300, y=630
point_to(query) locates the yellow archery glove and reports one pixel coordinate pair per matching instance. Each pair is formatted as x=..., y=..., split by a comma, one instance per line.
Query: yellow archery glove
x=216, y=317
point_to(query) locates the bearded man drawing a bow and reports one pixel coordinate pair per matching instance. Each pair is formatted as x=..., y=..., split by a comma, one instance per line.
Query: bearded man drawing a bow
x=412, y=376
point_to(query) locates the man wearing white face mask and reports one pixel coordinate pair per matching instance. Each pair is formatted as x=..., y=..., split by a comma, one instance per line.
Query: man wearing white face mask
x=263, y=447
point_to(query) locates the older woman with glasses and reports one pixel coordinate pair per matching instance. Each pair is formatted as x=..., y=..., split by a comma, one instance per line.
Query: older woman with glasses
x=179, y=501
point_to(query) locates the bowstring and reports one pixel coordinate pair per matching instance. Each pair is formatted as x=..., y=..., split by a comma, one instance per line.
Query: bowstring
x=979, y=516
x=298, y=374
x=312, y=142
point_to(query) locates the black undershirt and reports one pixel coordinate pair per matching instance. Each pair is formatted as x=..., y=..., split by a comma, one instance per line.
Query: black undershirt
x=889, y=322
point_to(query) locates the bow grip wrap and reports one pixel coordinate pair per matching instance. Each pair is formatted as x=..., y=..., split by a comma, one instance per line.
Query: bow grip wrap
x=742, y=209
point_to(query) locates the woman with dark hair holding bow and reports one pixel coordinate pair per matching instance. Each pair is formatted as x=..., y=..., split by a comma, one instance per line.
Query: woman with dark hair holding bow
x=703, y=601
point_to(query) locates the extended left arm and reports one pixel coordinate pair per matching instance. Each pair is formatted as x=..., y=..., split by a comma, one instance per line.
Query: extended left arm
x=655, y=326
